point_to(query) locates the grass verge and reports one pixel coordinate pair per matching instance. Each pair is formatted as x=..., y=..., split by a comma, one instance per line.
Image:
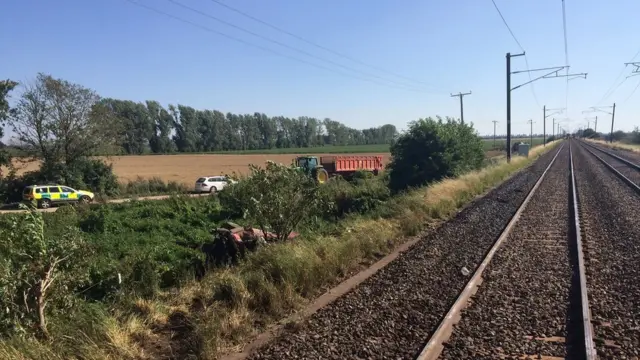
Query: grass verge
x=617, y=145
x=224, y=310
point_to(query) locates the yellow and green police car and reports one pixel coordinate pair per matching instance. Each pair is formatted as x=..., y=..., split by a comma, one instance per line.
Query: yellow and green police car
x=47, y=195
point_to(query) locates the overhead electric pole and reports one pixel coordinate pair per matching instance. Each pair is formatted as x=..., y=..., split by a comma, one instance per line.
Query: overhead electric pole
x=494, y=134
x=531, y=134
x=636, y=70
x=461, y=95
x=553, y=73
x=612, y=113
x=544, y=121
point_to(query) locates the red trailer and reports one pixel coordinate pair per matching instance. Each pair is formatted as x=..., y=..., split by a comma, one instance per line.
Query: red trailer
x=346, y=165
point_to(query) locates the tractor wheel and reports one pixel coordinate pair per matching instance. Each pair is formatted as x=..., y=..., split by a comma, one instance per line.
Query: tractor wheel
x=322, y=176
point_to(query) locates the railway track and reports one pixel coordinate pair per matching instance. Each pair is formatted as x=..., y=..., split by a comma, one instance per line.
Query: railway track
x=624, y=168
x=609, y=207
x=531, y=294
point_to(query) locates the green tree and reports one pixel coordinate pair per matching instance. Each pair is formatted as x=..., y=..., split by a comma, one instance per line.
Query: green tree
x=58, y=121
x=434, y=149
x=38, y=273
x=276, y=198
x=6, y=86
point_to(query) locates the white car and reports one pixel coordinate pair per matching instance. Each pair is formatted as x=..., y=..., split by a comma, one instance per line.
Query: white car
x=212, y=183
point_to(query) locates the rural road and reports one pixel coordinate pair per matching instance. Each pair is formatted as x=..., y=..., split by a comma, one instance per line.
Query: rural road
x=114, y=201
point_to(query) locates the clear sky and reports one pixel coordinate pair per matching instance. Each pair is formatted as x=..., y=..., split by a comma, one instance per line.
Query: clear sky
x=128, y=52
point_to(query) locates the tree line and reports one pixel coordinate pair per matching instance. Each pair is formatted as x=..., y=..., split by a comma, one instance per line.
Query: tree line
x=52, y=116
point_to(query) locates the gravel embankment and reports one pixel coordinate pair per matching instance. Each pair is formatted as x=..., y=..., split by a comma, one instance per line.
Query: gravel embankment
x=610, y=221
x=630, y=172
x=523, y=305
x=391, y=314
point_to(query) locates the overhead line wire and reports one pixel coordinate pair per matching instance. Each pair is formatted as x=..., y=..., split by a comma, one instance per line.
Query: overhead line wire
x=526, y=60
x=230, y=37
x=613, y=86
x=566, y=51
x=316, y=44
x=293, y=48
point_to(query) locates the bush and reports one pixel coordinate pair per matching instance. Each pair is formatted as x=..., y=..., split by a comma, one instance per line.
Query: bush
x=276, y=197
x=432, y=150
x=39, y=272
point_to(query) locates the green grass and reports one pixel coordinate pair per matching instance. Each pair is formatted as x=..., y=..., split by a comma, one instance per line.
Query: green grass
x=501, y=143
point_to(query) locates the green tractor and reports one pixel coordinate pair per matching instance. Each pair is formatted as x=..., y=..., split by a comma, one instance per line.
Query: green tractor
x=312, y=167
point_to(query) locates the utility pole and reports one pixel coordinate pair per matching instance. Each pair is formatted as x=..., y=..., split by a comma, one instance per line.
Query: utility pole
x=553, y=129
x=531, y=134
x=494, y=134
x=595, y=128
x=461, y=95
x=613, y=116
x=544, y=119
x=553, y=73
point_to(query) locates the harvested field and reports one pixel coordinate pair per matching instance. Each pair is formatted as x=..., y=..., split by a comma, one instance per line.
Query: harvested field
x=188, y=167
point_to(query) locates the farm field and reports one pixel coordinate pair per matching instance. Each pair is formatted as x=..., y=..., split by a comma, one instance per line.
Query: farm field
x=186, y=168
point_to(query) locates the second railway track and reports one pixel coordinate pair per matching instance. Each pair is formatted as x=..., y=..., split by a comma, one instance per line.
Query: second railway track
x=532, y=302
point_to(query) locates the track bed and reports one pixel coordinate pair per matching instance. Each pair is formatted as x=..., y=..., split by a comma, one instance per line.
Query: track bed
x=528, y=303
x=610, y=213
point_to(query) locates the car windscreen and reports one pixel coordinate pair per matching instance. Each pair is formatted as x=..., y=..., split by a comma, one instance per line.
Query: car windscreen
x=201, y=180
x=27, y=190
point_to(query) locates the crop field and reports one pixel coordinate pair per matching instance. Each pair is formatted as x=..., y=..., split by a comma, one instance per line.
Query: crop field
x=186, y=168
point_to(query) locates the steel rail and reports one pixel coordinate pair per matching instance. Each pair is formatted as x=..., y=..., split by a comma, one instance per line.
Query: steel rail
x=587, y=328
x=434, y=345
x=629, y=182
x=627, y=162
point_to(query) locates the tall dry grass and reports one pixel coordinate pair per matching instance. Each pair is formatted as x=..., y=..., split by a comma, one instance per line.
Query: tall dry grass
x=616, y=145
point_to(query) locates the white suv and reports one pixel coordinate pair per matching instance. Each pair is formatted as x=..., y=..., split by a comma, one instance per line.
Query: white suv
x=211, y=183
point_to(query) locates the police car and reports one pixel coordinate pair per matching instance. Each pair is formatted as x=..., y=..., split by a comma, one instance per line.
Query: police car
x=47, y=195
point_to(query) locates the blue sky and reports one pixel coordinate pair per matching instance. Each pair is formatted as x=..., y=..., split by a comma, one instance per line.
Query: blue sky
x=127, y=52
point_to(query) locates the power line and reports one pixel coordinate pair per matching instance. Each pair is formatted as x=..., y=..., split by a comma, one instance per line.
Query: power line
x=316, y=44
x=293, y=48
x=566, y=50
x=230, y=37
x=633, y=92
x=615, y=87
x=526, y=60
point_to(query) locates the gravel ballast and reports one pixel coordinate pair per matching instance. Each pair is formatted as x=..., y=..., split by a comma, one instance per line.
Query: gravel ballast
x=391, y=314
x=523, y=306
x=610, y=221
x=628, y=171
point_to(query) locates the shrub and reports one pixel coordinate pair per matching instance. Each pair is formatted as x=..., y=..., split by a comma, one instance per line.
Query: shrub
x=432, y=150
x=38, y=272
x=276, y=197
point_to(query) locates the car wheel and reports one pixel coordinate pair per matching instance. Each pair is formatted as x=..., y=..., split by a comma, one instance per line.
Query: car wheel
x=44, y=203
x=85, y=199
x=213, y=189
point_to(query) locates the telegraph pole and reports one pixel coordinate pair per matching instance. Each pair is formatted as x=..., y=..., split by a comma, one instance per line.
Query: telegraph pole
x=461, y=95
x=595, y=128
x=544, y=119
x=613, y=116
x=531, y=134
x=553, y=129
x=553, y=73
x=612, y=113
x=494, y=134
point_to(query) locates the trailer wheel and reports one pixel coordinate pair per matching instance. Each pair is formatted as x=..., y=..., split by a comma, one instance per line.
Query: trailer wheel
x=375, y=172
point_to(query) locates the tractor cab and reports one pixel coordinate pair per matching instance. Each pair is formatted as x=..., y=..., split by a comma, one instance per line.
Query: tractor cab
x=307, y=163
x=311, y=166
